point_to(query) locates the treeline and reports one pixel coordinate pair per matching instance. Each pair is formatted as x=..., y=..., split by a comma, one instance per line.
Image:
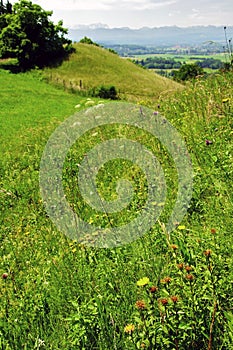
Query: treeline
x=159, y=63
x=171, y=63
x=212, y=63
x=133, y=50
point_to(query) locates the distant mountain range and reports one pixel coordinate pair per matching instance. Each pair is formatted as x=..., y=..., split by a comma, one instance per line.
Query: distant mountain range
x=161, y=36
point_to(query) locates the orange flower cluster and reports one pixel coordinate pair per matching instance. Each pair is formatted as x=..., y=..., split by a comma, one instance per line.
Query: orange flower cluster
x=164, y=301
x=207, y=252
x=140, y=304
x=190, y=277
x=153, y=289
x=166, y=280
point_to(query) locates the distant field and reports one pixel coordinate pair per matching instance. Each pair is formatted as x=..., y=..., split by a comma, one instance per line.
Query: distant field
x=183, y=58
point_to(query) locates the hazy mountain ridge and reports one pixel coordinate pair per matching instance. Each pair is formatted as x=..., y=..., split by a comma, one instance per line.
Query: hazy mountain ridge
x=167, y=36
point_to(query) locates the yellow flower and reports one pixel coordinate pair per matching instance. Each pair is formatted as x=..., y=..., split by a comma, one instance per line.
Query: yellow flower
x=129, y=328
x=143, y=281
x=224, y=100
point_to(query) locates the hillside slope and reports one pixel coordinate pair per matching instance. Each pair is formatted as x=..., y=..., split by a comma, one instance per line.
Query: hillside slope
x=59, y=294
x=91, y=66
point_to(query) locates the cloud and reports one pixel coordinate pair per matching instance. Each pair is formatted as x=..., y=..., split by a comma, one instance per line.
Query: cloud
x=107, y=5
x=73, y=5
x=139, y=13
x=139, y=4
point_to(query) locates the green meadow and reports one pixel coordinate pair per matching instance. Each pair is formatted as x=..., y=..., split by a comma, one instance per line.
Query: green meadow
x=165, y=290
x=91, y=66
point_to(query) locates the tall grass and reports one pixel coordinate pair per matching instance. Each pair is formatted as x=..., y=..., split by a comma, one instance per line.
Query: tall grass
x=59, y=294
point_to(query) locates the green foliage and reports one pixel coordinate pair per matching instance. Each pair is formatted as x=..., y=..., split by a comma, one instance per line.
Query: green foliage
x=113, y=51
x=188, y=72
x=106, y=92
x=88, y=41
x=5, y=8
x=211, y=63
x=29, y=35
x=159, y=63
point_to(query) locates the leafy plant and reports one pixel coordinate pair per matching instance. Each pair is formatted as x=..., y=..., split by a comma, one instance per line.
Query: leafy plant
x=29, y=35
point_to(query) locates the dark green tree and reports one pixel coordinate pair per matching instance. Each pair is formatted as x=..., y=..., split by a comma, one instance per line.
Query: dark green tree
x=4, y=9
x=188, y=72
x=28, y=34
x=7, y=8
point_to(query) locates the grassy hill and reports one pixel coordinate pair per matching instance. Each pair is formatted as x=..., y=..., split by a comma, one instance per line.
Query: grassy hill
x=95, y=66
x=59, y=294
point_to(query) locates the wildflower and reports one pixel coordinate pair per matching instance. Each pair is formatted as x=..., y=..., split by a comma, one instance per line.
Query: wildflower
x=190, y=277
x=156, y=113
x=166, y=280
x=188, y=268
x=213, y=230
x=140, y=304
x=181, y=227
x=224, y=100
x=143, y=281
x=129, y=328
x=153, y=289
x=207, y=252
x=180, y=266
x=174, y=246
x=4, y=275
x=174, y=298
x=164, y=301
x=208, y=142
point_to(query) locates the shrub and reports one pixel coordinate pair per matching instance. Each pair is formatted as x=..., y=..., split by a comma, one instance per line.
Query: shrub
x=88, y=41
x=188, y=72
x=106, y=92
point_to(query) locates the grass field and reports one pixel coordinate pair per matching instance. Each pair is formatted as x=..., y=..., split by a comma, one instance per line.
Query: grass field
x=93, y=66
x=163, y=291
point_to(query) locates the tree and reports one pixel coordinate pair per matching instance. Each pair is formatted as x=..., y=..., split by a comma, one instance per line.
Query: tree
x=28, y=34
x=188, y=72
x=5, y=8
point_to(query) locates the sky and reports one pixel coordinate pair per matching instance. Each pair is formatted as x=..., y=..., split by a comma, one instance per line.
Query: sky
x=140, y=13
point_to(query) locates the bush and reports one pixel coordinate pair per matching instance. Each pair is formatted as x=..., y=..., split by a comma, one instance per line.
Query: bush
x=188, y=72
x=106, y=92
x=88, y=41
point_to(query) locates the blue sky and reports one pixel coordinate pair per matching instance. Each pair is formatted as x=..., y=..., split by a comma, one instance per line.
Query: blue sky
x=139, y=13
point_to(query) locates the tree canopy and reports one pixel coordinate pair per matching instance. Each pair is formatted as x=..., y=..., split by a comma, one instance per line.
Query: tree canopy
x=188, y=72
x=28, y=34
